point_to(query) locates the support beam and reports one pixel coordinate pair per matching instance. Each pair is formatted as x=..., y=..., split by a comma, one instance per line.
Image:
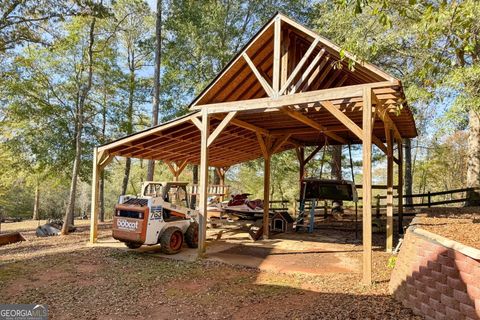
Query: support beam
x=196, y=122
x=248, y=126
x=345, y=92
x=220, y=127
x=279, y=143
x=106, y=161
x=306, y=120
x=203, y=184
x=389, y=244
x=352, y=126
x=367, y=187
x=307, y=72
x=262, y=144
x=176, y=168
x=314, y=152
x=382, y=111
x=300, y=65
x=96, y=173
x=400, y=186
x=277, y=34
x=259, y=76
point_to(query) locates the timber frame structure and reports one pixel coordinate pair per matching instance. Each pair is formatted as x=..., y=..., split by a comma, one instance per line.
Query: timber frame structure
x=288, y=88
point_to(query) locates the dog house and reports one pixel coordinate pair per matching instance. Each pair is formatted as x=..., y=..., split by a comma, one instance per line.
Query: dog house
x=281, y=222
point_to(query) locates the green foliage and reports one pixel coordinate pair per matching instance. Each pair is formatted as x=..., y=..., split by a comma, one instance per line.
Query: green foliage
x=392, y=261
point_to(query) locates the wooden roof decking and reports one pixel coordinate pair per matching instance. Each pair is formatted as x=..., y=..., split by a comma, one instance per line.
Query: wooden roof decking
x=299, y=112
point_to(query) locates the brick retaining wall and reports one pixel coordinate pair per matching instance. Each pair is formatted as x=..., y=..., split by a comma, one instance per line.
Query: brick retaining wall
x=437, y=277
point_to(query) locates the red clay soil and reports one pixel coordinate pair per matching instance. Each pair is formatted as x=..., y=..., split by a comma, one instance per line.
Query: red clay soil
x=458, y=224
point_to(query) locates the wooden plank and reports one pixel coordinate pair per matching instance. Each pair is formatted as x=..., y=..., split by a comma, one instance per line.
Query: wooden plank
x=389, y=227
x=300, y=64
x=96, y=172
x=259, y=76
x=344, y=92
x=313, y=76
x=202, y=232
x=276, y=56
x=306, y=120
x=284, y=59
x=309, y=69
x=352, y=126
x=106, y=161
x=342, y=117
x=221, y=127
x=196, y=122
x=367, y=187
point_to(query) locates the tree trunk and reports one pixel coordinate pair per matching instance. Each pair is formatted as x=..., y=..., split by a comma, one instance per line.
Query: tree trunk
x=69, y=214
x=156, y=81
x=129, y=115
x=473, y=164
x=336, y=164
x=216, y=177
x=37, y=202
x=408, y=172
x=128, y=163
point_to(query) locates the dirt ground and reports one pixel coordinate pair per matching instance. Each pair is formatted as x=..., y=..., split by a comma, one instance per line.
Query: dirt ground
x=459, y=224
x=94, y=282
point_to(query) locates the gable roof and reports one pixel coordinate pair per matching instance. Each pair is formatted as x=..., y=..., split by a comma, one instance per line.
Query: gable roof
x=238, y=82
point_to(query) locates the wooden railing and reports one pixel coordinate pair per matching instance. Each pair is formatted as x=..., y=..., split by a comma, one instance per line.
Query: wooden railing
x=213, y=189
x=427, y=199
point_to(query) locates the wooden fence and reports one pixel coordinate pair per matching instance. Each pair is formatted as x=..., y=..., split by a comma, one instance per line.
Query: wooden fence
x=428, y=199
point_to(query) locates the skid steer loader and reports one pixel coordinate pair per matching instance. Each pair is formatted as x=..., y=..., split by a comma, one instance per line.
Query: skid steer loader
x=161, y=214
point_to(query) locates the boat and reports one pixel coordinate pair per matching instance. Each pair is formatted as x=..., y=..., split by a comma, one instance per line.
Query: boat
x=244, y=208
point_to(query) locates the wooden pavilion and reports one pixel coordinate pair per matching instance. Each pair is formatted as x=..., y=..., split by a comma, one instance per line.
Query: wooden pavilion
x=288, y=88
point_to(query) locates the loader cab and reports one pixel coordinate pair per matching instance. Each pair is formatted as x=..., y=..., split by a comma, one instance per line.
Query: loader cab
x=174, y=192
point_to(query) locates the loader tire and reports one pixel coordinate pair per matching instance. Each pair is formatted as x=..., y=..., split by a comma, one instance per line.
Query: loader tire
x=191, y=235
x=171, y=240
x=133, y=245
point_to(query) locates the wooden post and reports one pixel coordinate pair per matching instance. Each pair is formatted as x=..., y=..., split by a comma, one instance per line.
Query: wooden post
x=276, y=56
x=95, y=197
x=429, y=199
x=400, y=186
x=266, y=197
x=203, y=183
x=389, y=244
x=367, y=186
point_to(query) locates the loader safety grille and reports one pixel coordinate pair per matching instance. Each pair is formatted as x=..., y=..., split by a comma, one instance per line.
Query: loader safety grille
x=129, y=214
x=137, y=201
